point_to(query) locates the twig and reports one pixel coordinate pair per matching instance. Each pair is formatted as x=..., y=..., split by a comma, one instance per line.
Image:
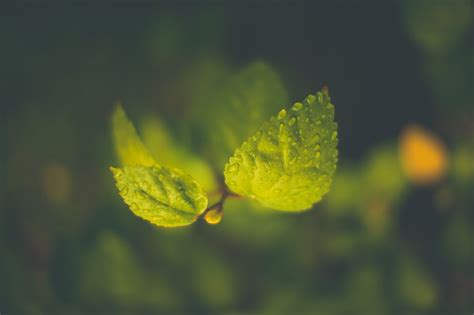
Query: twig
x=219, y=205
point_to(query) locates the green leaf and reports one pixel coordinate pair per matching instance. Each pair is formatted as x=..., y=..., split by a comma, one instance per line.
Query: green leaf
x=237, y=107
x=128, y=145
x=165, y=197
x=289, y=163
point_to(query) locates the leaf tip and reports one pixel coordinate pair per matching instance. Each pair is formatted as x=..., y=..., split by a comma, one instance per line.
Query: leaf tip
x=118, y=109
x=115, y=171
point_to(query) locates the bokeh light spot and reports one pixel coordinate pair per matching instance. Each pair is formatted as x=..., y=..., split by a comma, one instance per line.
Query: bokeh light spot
x=424, y=157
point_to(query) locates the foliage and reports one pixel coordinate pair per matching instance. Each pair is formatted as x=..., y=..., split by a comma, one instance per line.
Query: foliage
x=163, y=196
x=378, y=243
x=287, y=165
x=128, y=145
x=237, y=107
x=167, y=197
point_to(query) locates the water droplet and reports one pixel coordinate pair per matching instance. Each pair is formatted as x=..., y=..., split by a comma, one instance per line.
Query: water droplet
x=310, y=99
x=282, y=114
x=292, y=121
x=318, y=122
x=334, y=135
x=297, y=106
x=318, y=155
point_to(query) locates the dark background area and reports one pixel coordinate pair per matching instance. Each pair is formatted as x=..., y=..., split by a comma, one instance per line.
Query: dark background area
x=69, y=246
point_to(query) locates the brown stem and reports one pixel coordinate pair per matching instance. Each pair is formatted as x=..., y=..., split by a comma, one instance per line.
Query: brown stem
x=219, y=205
x=223, y=191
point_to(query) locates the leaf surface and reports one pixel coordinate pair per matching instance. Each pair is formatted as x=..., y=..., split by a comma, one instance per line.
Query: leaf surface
x=128, y=145
x=289, y=163
x=165, y=197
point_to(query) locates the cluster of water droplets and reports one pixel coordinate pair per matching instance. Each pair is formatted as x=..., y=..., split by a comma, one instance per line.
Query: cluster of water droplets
x=295, y=152
x=159, y=195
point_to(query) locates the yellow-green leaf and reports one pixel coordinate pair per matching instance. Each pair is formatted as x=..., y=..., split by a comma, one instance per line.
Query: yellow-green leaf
x=289, y=163
x=163, y=196
x=128, y=145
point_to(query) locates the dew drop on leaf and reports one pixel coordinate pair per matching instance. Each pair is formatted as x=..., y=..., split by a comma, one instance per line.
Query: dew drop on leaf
x=163, y=196
x=282, y=114
x=297, y=106
x=310, y=99
x=292, y=168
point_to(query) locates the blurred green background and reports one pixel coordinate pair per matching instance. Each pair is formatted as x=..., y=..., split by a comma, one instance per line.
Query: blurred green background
x=393, y=236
